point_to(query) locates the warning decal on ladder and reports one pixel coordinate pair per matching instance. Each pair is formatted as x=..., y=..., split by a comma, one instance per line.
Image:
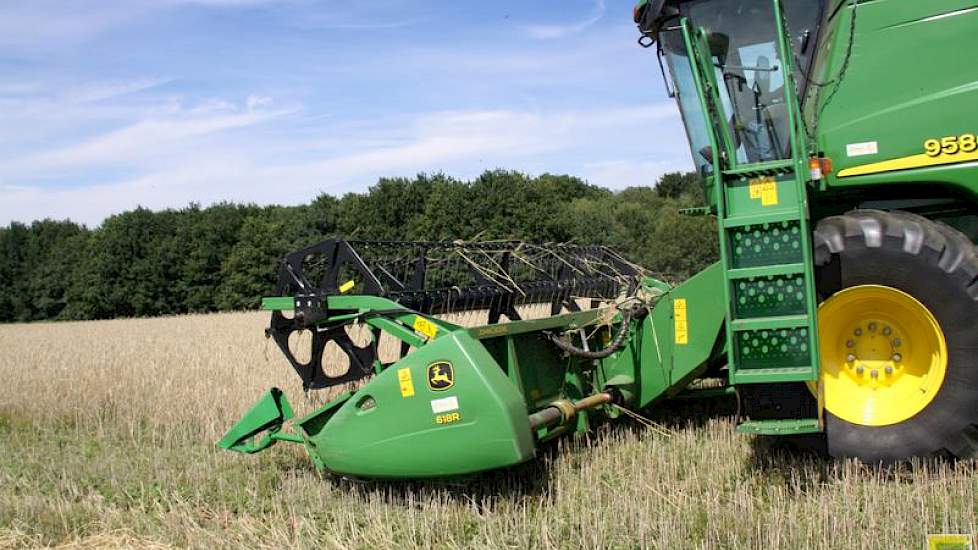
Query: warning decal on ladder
x=765, y=189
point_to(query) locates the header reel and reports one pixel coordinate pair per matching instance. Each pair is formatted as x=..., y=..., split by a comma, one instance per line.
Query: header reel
x=428, y=278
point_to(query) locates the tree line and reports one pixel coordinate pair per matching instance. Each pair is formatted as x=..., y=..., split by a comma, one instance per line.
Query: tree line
x=225, y=256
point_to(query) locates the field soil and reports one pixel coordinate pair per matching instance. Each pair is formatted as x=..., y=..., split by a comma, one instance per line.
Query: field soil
x=108, y=431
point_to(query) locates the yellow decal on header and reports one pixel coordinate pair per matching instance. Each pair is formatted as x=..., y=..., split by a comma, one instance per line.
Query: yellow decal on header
x=347, y=286
x=679, y=315
x=950, y=542
x=407, y=385
x=425, y=327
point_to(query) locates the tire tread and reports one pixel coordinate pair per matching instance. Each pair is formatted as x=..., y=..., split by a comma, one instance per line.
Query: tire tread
x=934, y=243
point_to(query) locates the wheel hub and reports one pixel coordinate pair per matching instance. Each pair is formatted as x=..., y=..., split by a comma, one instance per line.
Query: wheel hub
x=874, y=353
x=884, y=356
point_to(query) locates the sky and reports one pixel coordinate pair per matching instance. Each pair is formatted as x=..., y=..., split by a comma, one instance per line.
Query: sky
x=106, y=105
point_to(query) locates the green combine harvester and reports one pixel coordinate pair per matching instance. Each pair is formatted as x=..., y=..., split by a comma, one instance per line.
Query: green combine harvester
x=836, y=140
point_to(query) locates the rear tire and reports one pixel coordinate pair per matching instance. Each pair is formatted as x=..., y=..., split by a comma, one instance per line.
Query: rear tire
x=936, y=265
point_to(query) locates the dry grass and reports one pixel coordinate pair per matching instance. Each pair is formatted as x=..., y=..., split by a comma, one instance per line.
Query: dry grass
x=107, y=431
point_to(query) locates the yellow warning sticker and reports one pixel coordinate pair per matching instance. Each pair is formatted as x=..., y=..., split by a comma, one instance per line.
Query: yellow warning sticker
x=425, y=327
x=950, y=542
x=769, y=194
x=679, y=316
x=765, y=189
x=347, y=286
x=755, y=189
x=407, y=385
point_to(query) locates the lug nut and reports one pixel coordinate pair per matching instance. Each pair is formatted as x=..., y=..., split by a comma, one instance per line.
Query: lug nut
x=887, y=331
x=850, y=358
x=897, y=357
x=858, y=332
x=889, y=370
x=872, y=327
x=859, y=369
x=850, y=343
x=896, y=342
x=874, y=373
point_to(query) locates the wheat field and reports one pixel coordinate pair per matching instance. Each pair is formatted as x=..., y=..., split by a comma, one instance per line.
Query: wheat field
x=107, y=434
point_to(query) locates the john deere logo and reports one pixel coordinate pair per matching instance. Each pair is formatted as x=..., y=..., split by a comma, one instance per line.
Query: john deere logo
x=441, y=376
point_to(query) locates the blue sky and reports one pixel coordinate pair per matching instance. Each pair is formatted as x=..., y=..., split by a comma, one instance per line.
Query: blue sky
x=110, y=104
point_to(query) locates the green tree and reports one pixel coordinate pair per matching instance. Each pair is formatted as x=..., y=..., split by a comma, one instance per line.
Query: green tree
x=134, y=263
x=206, y=238
x=56, y=252
x=250, y=269
x=226, y=256
x=14, y=246
x=674, y=185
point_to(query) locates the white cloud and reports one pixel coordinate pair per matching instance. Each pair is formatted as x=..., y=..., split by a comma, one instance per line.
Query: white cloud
x=218, y=3
x=461, y=143
x=100, y=91
x=45, y=24
x=20, y=88
x=558, y=31
x=87, y=148
x=140, y=144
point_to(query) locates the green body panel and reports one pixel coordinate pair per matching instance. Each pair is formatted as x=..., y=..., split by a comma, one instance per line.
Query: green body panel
x=502, y=373
x=780, y=427
x=912, y=76
x=400, y=436
x=267, y=415
x=280, y=303
x=660, y=366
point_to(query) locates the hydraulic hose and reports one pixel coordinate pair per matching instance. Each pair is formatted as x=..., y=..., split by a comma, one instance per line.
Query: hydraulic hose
x=616, y=342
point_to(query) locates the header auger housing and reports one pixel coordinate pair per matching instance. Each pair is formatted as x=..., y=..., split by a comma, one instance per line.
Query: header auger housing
x=836, y=141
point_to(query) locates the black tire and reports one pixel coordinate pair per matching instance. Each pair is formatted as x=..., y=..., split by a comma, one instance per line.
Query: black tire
x=938, y=266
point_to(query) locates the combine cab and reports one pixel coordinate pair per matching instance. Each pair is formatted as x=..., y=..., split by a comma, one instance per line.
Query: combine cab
x=837, y=146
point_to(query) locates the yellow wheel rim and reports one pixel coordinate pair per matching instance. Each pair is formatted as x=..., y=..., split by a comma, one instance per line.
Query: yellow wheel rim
x=884, y=356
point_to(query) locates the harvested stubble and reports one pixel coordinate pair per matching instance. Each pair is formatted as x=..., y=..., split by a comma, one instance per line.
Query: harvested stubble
x=107, y=434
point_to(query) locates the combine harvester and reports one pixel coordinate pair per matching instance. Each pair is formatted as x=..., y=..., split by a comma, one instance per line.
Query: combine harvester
x=837, y=144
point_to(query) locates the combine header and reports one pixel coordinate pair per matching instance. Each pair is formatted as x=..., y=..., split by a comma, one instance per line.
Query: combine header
x=836, y=140
x=489, y=392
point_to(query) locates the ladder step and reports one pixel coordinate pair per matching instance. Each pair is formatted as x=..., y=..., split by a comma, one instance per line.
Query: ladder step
x=773, y=375
x=770, y=323
x=766, y=271
x=780, y=427
x=762, y=169
x=774, y=216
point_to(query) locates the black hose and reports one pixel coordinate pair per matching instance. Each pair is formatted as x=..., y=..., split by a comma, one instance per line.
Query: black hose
x=615, y=345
